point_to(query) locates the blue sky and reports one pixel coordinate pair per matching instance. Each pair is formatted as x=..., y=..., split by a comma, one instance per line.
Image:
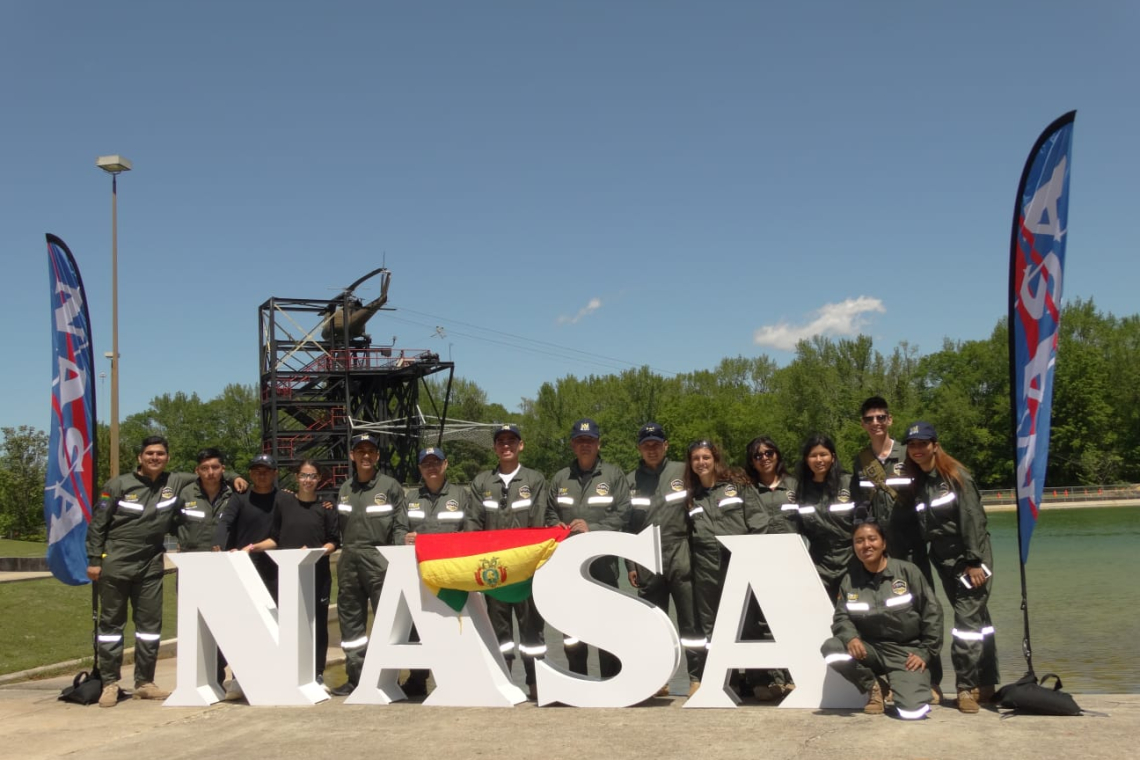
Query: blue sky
x=563, y=187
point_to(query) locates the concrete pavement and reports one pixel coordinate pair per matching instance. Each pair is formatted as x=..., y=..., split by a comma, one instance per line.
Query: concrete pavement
x=33, y=724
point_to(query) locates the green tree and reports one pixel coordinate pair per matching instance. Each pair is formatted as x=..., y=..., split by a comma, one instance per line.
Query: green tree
x=23, y=471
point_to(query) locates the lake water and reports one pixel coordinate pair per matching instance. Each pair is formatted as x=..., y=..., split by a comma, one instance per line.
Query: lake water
x=1083, y=578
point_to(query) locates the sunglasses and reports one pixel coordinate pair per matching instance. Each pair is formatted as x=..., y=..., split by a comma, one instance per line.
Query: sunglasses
x=769, y=454
x=876, y=418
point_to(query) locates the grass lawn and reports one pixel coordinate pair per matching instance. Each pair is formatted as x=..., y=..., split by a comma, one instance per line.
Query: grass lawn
x=46, y=622
x=22, y=548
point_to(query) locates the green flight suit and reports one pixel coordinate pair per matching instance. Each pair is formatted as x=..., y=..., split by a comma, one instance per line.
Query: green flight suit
x=200, y=516
x=953, y=521
x=896, y=515
x=449, y=510
x=894, y=613
x=600, y=496
x=132, y=518
x=827, y=525
x=520, y=502
x=726, y=509
x=371, y=514
x=658, y=497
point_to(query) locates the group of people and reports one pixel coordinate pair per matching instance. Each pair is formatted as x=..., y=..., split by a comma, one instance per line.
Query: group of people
x=873, y=537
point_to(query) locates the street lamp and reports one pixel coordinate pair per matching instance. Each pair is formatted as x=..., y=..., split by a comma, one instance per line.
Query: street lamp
x=114, y=165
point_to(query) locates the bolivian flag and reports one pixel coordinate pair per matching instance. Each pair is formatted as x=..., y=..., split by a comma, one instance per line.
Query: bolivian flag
x=499, y=563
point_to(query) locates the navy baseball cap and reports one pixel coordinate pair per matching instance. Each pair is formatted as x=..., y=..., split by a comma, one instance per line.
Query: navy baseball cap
x=920, y=431
x=507, y=428
x=651, y=431
x=263, y=460
x=584, y=428
x=365, y=438
x=430, y=451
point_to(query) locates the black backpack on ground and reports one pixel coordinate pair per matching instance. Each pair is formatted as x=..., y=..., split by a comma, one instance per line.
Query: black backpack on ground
x=1028, y=695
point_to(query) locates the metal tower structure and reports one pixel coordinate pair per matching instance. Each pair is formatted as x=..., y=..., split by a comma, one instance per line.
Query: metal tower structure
x=322, y=381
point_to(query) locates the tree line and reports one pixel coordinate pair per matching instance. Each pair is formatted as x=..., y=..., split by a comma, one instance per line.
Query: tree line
x=963, y=389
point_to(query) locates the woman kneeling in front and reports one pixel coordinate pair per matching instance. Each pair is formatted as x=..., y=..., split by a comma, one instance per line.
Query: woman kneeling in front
x=887, y=626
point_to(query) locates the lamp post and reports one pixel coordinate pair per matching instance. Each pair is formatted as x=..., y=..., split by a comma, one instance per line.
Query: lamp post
x=114, y=165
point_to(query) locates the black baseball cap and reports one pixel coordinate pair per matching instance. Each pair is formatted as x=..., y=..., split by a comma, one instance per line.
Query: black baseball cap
x=507, y=428
x=263, y=460
x=584, y=428
x=365, y=438
x=651, y=431
x=920, y=431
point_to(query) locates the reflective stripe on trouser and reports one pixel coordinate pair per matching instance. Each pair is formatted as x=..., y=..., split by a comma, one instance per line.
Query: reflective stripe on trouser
x=531, y=638
x=973, y=650
x=605, y=570
x=143, y=591
x=676, y=581
x=710, y=564
x=887, y=660
x=360, y=576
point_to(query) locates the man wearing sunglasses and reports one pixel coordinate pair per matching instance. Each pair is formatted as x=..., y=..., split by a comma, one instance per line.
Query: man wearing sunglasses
x=879, y=479
x=657, y=497
x=513, y=496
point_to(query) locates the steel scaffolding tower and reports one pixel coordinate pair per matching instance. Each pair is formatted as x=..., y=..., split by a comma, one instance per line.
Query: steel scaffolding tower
x=322, y=381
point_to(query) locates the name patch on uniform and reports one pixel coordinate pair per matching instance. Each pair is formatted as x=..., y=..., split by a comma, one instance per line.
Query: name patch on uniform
x=852, y=596
x=132, y=497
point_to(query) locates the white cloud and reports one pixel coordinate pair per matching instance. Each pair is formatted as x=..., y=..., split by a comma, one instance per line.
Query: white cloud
x=846, y=318
x=590, y=308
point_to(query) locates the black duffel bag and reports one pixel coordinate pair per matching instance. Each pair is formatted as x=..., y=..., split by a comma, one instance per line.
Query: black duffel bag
x=1028, y=695
x=85, y=689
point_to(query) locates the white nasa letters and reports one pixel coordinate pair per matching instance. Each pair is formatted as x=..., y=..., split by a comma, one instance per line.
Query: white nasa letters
x=638, y=633
x=223, y=602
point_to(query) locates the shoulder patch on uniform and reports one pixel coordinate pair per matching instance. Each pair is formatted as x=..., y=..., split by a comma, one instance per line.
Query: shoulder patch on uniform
x=167, y=492
x=844, y=495
x=791, y=496
x=898, y=588
x=524, y=491
x=677, y=484
x=381, y=498
x=730, y=490
x=898, y=468
x=602, y=489
x=452, y=505
x=943, y=488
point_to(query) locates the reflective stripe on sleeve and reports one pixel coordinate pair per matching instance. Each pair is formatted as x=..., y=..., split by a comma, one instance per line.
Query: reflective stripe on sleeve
x=378, y=509
x=899, y=481
x=449, y=516
x=696, y=511
x=131, y=505
x=640, y=501
x=166, y=503
x=490, y=504
x=598, y=501
x=521, y=504
x=676, y=496
x=841, y=507
x=729, y=501
x=858, y=606
x=196, y=514
x=345, y=508
x=416, y=514
x=805, y=510
x=942, y=501
x=569, y=500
